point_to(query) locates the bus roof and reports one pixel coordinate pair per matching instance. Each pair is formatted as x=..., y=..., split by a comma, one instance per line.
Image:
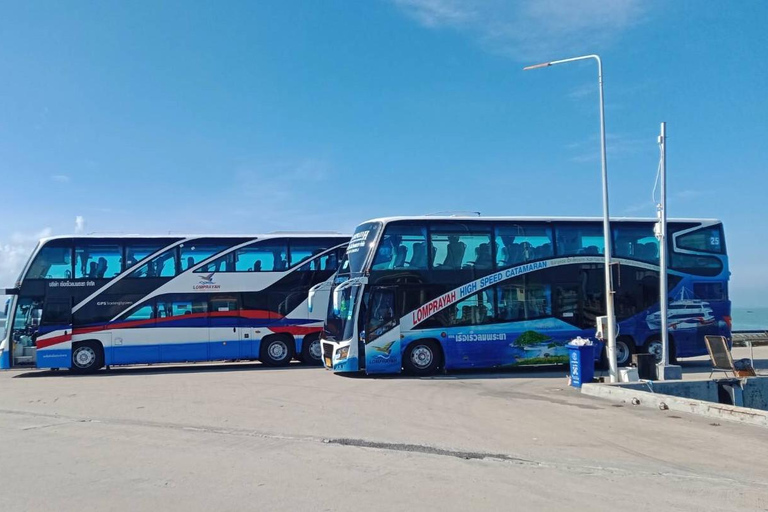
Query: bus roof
x=470, y=218
x=283, y=234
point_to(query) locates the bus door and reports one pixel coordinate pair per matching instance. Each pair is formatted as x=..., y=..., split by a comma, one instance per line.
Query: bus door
x=224, y=330
x=55, y=320
x=24, y=329
x=382, y=332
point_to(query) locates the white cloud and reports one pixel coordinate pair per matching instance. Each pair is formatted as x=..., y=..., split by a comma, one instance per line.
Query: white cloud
x=617, y=145
x=79, y=224
x=14, y=254
x=286, y=193
x=689, y=194
x=530, y=29
x=61, y=178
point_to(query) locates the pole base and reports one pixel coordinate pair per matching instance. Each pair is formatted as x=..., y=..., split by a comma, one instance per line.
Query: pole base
x=669, y=372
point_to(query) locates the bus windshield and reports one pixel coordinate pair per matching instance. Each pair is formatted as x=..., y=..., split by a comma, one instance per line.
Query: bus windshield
x=361, y=246
x=339, y=325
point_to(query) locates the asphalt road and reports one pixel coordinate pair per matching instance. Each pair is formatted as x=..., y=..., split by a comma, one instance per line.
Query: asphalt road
x=245, y=437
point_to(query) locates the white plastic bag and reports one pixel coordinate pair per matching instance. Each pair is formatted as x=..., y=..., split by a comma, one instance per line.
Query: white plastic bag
x=580, y=342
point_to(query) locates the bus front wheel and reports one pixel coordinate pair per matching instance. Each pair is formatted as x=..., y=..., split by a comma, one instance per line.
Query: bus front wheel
x=87, y=357
x=422, y=357
x=276, y=351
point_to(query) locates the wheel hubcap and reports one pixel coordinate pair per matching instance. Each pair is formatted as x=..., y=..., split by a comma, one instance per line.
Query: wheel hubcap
x=655, y=349
x=421, y=356
x=84, y=357
x=315, y=351
x=622, y=352
x=278, y=350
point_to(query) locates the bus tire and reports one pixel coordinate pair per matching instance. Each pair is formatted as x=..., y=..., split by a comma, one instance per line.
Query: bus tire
x=311, y=350
x=277, y=350
x=653, y=346
x=625, y=347
x=87, y=357
x=423, y=357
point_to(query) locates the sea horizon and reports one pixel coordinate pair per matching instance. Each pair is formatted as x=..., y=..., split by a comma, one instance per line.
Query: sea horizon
x=749, y=318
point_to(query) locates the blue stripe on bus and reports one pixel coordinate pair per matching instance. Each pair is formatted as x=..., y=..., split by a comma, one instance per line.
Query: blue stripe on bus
x=5, y=360
x=159, y=353
x=182, y=352
x=58, y=358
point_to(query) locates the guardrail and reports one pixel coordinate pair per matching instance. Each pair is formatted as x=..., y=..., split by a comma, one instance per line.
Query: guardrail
x=756, y=338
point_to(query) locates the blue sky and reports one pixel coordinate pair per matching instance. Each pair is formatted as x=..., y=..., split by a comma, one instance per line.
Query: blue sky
x=149, y=117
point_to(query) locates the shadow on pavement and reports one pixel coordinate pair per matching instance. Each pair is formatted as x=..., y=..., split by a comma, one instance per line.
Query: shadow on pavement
x=526, y=372
x=166, y=368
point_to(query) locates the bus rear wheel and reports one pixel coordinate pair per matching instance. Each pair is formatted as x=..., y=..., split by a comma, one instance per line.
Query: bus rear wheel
x=87, y=357
x=422, y=357
x=654, y=346
x=276, y=351
x=311, y=351
x=625, y=347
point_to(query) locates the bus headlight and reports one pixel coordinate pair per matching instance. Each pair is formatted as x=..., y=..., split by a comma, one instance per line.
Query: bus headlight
x=342, y=353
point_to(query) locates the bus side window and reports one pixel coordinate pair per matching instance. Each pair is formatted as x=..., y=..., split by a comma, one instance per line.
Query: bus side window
x=402, y=246
x=520, y=243
x=455, y=247
x=169, y=306
x=580, y=239
x=265, y=256
x=57, y=312
x=98, y=261
x=192, y=253
x=144, y=311
x=304, y=252
x=163, y=265
x=708, y=239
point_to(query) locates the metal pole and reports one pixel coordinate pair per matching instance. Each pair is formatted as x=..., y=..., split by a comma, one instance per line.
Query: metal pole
x=663, y=293
x=609, y=309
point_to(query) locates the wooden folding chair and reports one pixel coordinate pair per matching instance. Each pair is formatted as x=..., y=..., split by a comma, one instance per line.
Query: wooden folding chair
x=722, y=361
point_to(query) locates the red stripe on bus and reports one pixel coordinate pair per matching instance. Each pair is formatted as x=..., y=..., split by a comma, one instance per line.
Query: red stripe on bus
x=53, y=341
x=301, y=331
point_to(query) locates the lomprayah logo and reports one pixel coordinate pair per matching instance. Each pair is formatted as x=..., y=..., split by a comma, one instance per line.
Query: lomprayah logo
x=206, y=283
x=386, y=350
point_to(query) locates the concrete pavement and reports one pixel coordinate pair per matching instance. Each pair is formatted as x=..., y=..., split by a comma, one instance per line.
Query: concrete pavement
x=247, y=437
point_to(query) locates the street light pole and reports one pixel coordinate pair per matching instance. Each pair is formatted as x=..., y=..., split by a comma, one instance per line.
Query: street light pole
x=609, y=309
x=663, y=249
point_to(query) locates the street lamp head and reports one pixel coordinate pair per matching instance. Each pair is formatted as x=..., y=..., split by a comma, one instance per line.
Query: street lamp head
x=542, y=65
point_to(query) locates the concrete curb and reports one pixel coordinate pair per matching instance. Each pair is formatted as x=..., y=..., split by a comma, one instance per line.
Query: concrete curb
x=616, y=393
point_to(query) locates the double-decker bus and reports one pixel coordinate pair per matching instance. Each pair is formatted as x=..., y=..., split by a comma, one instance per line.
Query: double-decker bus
x=85, y=302
x=427, y=293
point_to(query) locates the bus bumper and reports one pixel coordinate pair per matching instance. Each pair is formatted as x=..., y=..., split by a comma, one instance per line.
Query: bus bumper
x=5, y=359
x=337, y=359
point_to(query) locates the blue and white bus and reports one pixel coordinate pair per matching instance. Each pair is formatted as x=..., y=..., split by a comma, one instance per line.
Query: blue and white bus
x=85, y=302
x=427, y=293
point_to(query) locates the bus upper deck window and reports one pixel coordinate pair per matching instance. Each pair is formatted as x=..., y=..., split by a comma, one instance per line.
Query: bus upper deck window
x=708, y=239
x=52, y=263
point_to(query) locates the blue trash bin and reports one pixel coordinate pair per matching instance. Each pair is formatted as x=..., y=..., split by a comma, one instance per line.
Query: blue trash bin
x=582, y=362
